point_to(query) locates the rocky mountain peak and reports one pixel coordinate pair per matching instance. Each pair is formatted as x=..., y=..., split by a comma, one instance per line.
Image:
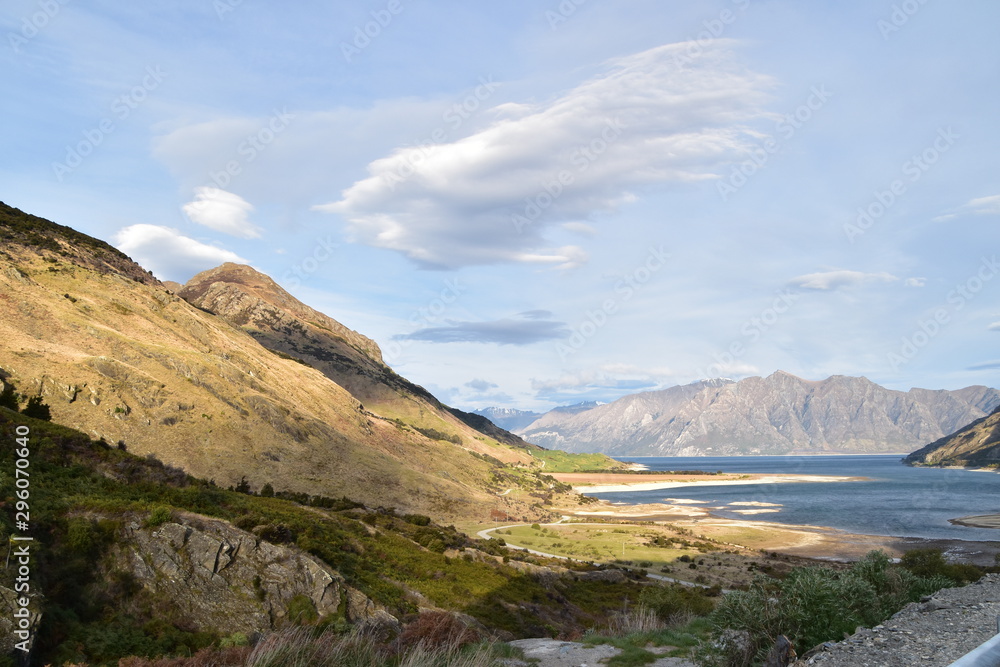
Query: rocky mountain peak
x=248, y=298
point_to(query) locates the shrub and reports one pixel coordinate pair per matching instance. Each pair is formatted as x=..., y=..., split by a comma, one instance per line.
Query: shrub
x=160, y=515
x=673, y=602
x=812, y=605
x=437, y=629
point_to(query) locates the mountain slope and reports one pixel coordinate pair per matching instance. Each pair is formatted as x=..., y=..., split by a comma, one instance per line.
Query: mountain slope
x=119, y=356
x=977, y=444
x=257, y=305
x=779, y=414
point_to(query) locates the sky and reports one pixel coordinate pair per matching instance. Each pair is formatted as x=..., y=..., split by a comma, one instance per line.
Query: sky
x=532, y=204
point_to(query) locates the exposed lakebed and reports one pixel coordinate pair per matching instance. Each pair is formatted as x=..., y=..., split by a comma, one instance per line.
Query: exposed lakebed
x=893, y=499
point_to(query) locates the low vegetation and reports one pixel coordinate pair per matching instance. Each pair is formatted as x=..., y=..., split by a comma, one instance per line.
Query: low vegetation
x=85, y=492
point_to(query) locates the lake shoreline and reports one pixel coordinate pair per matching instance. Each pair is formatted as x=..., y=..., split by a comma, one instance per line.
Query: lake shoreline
x=616, y=482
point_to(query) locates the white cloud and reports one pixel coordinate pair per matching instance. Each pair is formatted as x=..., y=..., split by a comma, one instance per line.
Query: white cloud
x=169, y=254
x=489, y=197
x=994, y=327
x=915, y=282
x=984, y=205
x=222, y=211
x=831, y=280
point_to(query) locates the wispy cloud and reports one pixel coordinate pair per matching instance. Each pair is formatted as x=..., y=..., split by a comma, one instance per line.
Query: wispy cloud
x=831, y=280
x=489, y=197
x=979, y=206
x=169, y=254
x=986, y=366
x=481, y=386
x=222, y=211
x=524, y=329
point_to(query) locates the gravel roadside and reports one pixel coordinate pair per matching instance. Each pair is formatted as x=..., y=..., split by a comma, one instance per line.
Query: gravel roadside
x=932, y=633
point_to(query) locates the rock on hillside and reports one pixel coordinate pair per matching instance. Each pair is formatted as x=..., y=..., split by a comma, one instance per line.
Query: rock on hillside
x=223, y=578
x=977, y=444
x=779, y=414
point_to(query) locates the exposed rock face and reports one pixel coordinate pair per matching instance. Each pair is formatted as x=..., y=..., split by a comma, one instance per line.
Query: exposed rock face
x=779, y=414
x=226, y=579
x=978, y=444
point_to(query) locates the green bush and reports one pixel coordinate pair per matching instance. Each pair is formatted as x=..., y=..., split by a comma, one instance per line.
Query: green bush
x=672, y=601
x=814, y=604
x=160, y=515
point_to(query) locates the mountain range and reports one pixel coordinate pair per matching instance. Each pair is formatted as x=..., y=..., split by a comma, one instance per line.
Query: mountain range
x=778, y=414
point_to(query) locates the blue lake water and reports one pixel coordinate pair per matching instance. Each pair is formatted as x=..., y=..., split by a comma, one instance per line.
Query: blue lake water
x=898, y=500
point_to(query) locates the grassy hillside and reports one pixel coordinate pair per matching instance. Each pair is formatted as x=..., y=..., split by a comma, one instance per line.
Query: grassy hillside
x=85, y=493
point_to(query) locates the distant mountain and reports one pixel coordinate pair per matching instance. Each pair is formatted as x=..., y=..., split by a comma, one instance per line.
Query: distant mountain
x=977, y=444
x=779, y=414
x=508, y=418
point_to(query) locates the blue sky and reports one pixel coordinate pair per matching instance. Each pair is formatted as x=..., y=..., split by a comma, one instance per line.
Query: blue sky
x=537, y=203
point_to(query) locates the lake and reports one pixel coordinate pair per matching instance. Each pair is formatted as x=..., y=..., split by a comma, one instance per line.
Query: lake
x=898, y=500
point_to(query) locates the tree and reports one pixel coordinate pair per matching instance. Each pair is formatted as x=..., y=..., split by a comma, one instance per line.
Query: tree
x=9, y=398
x=267, y=491
x=37, y=410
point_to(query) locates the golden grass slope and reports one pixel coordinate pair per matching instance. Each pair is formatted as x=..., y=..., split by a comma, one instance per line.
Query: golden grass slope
x=132, y=362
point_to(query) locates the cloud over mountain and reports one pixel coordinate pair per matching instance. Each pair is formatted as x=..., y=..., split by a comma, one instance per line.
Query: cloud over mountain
x=647, y=119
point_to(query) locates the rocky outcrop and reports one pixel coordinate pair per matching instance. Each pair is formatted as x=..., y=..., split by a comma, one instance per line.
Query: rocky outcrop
x=779, y=414
x=229, y=580
x=977, y=444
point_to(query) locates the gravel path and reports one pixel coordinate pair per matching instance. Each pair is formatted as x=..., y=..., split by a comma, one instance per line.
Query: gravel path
x=932, y=633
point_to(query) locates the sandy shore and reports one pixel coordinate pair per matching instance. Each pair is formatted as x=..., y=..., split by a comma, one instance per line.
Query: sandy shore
x=818, y=542
x=978, y=521
x=610, y=482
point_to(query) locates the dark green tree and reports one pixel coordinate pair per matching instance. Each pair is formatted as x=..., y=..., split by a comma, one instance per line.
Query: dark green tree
x=9, y=398
x=36, y=409
x=267, y=491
